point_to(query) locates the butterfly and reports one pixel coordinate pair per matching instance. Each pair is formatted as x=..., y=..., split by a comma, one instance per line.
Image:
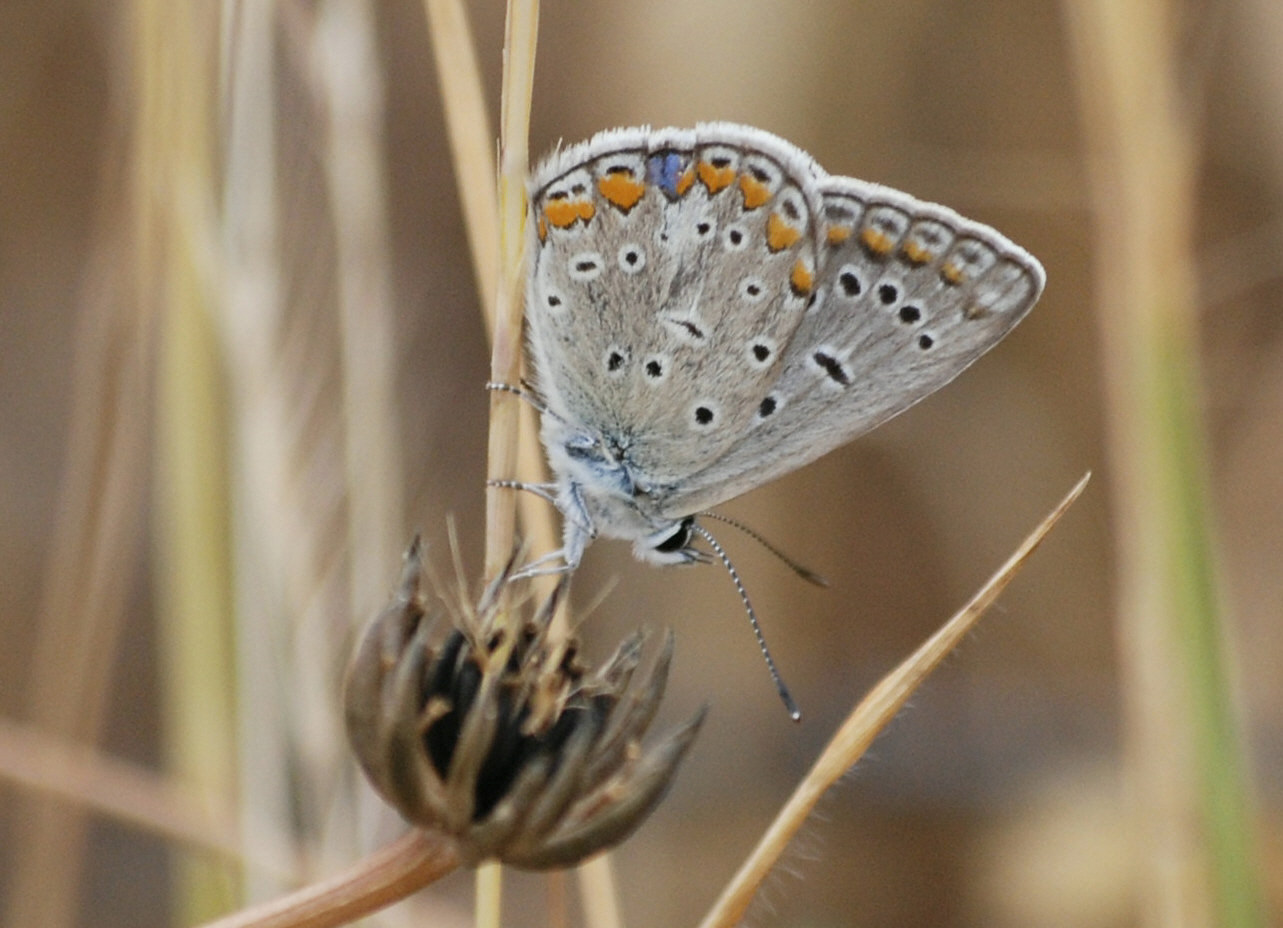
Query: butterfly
x=708, y=310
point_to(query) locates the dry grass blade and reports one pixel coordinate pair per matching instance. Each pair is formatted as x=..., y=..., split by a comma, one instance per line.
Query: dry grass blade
x=863, y=725
x=472, y=153
x=471, y=138
x=80, y=775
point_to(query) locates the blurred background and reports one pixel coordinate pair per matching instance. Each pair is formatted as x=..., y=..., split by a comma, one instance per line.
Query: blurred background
x=242, y=358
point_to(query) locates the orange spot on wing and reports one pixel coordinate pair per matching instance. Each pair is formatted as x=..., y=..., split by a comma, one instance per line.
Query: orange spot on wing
x=714, y=178
x=621, y=189
x=916, y=253
x=543, y=229
x=838, y=234
x=564, y=213
x=952, y=274
x=755, y=192
x=684, y=182
x=779, y=234
x=878, y=243
x=801, y=279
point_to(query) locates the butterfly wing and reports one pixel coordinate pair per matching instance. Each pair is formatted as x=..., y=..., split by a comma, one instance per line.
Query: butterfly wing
x=668, y=271
x=910, y=294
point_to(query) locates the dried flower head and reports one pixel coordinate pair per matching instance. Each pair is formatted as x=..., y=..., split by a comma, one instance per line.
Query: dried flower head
x=502, y=738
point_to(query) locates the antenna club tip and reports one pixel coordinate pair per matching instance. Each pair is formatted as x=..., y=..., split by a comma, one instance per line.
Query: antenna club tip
x=789, y=705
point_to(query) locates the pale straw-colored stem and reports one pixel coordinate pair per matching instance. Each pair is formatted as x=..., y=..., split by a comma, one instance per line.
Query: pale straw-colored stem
x=472, y=150
x=1188, y=797
x=862, y=726
x=598, y=894
x=520, y=39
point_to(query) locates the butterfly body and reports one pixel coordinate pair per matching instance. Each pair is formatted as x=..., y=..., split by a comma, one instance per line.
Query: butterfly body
x=709, y=309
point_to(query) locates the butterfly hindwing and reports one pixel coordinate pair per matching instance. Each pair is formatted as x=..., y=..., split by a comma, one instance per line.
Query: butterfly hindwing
x=910, y=294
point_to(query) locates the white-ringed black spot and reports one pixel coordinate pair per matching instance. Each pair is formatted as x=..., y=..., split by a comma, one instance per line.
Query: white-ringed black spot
x=832, y=367
x=585, y=266
x=631, y=259
x=790, y=208
x=554, y=301
x=925, y=342
x=887, y=293
x=687, y=329
x=849, y=281
x=615, y=360
x=656, y=368
x=910, y=314
x=703, y=228
x=705, y=415
x=760, y=352
x=735, y=238
x=768, y=406
x=752, y=289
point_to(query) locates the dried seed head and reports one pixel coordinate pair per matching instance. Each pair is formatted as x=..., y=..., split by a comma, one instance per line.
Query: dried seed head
x=503, y=739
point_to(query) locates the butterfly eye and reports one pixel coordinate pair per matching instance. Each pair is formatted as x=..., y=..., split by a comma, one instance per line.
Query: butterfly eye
x=676, y=541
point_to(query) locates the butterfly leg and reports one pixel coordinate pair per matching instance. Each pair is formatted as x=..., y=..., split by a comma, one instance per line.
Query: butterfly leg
x=543, y=567
x=545, y=491
x=578, y=529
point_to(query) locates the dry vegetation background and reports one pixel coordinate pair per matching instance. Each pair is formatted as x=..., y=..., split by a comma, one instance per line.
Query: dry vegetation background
x=350, y=412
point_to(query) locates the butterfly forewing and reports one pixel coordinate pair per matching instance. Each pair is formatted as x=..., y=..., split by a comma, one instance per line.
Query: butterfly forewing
x=669, y=272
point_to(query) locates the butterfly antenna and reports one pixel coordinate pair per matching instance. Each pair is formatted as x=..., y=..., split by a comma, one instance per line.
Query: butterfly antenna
x=805, y=573
x=793, y=711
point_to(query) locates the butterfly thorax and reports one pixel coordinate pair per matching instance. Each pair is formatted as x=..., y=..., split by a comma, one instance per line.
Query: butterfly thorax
x=601, y=493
